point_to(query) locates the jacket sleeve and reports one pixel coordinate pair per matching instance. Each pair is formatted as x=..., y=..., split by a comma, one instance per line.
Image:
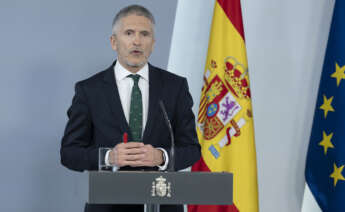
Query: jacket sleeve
x=187, y=148
x=78, y=151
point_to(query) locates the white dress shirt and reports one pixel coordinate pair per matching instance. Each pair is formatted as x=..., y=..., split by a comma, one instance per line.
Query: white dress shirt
x=124, y=86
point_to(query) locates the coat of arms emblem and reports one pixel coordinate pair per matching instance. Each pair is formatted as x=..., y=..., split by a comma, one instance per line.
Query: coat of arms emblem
x=224, y=99
x=161, y=187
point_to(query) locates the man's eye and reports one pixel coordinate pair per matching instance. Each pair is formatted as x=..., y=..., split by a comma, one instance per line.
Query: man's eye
x=145, y=33
x=129, y=32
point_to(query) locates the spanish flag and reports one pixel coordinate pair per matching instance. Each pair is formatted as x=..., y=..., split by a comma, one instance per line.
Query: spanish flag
x=225, y=119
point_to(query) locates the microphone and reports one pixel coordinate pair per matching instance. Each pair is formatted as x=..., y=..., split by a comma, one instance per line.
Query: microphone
x=171, y=166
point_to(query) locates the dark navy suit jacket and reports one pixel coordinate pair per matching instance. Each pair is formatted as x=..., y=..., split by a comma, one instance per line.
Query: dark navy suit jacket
x=96, y=119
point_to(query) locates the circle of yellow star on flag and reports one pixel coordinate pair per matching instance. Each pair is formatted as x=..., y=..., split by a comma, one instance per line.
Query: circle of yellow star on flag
x=339, y=73
x=326, y=141
x=336, y=175
x=327, y=105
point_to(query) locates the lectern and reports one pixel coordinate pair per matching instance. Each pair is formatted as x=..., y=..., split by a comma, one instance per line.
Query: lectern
x=156, y=188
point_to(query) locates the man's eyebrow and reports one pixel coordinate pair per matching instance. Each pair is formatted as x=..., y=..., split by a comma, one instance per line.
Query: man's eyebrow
x=140, y=31
x=128, y=30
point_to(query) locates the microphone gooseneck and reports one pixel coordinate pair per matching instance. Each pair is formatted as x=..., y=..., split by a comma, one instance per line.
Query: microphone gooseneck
x=171, y=166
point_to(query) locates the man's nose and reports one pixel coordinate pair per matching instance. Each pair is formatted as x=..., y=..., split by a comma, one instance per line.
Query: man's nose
x=137, y=40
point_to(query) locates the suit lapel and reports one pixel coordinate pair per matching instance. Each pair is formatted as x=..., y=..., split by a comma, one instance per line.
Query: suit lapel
x=113, y=98
x=154, y=96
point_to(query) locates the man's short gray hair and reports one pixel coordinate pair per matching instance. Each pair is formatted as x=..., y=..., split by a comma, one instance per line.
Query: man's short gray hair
x=130, y=10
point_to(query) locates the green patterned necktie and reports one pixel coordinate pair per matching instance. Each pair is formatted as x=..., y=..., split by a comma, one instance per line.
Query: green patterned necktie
x=136, y=110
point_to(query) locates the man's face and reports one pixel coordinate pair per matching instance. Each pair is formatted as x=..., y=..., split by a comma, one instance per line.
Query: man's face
x=133, y=41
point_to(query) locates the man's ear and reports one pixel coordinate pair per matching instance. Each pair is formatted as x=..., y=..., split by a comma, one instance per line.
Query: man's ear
x=153, y=44
x=113, y=42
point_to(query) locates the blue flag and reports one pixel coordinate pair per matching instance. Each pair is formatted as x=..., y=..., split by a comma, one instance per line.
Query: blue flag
x=325, y=172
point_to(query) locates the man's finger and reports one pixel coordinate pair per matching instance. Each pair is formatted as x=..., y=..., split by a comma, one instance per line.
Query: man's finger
x=134, y=163
x=130, y=145
x=142, y=163
x=134, y=151
x=133, y=157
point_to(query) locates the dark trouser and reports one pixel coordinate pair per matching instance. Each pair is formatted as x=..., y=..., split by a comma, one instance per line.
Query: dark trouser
x=129, y=208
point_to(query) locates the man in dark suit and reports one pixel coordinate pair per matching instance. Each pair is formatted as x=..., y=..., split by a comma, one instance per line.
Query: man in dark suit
x=125, y=99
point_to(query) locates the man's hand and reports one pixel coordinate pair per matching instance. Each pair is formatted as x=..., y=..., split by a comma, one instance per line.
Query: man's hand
x=135, y=154
x=153, y=156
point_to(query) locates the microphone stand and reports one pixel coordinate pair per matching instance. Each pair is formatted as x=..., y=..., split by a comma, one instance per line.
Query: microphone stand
x=171, y=166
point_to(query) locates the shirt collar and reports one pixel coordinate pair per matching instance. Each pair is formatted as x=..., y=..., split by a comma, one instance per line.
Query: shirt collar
x=121, y=72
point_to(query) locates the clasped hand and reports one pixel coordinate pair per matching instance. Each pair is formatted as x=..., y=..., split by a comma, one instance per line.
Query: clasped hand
x=135, y=154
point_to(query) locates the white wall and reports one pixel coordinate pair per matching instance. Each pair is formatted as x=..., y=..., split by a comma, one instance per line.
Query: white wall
x=45, y=48
x=286, y=42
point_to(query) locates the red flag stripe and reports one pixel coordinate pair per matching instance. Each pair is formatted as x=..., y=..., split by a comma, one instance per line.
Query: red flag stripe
x=202, y=167
x=212, y=208
x=232, y=9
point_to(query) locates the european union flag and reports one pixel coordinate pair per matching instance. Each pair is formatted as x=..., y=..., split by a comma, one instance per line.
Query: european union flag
x=325, y=172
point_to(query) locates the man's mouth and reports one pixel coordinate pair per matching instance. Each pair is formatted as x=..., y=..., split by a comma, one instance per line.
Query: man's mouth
x=136, y=52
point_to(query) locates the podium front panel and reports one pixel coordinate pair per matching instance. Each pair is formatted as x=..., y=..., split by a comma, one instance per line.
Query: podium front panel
x=203, y=188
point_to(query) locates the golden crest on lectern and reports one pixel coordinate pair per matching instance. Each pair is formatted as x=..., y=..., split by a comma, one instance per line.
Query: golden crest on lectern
x=161, y=188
